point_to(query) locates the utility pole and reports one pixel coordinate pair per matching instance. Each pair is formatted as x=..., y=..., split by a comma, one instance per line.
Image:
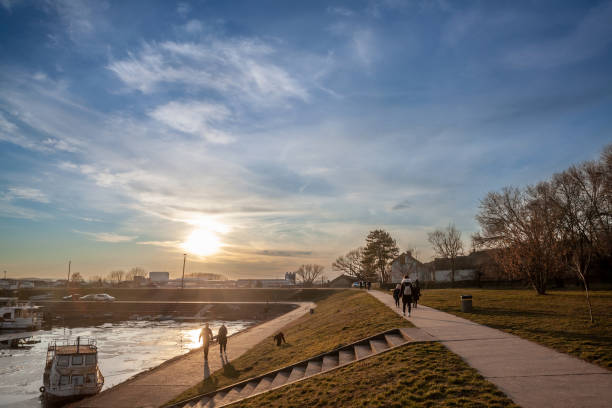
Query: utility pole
x=4, y=274
x=183, y=279
x=68, y=281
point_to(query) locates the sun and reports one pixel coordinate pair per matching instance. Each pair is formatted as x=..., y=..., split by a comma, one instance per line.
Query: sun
x=202, y=242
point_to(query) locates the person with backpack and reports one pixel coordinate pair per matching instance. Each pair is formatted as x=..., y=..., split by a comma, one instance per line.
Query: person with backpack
x=406, y=291
x=416, y=293
x=396, y=294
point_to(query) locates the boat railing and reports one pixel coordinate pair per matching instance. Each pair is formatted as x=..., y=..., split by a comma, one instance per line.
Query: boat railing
x=85, y=342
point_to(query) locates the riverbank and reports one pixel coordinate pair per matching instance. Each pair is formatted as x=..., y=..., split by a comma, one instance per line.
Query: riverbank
x=152, y=388
x=189, y=295
x=388, y=380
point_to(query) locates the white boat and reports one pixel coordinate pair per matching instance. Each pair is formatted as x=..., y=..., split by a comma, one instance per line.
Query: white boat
x=71, y=370
x=19, y=315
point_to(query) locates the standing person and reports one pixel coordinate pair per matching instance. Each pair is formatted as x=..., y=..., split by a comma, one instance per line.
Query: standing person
x=416, y=293
x=206, y=336
x=369, y=285
x=396, y=294
x=406, y=290
x=222, y=339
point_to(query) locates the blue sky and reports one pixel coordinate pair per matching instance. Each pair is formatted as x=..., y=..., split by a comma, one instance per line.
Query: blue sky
x=262, y=135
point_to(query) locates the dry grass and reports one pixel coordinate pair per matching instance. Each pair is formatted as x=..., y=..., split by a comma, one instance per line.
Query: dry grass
x=558, y=320
x=342, y=318
x=416, y=375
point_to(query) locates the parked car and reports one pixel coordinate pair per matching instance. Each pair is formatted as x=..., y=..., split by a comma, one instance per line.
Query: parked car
x=46, y=296
x=356, y=284
x=74, y=296
x=100, y=297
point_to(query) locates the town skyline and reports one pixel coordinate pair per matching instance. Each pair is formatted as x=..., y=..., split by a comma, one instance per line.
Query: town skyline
x=257, y=139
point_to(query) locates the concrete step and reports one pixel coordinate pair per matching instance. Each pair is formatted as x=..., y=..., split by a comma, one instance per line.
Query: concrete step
x=233, y=394
x=346, y=356
x=314, y=367
x=395, y=339
x=281, y=378
x=296, y=373
x=379, y=345
x=329, y=361
x=248, y=389
x=215, y=401
x=264, y=384
x=202, y=403
x=363, y=350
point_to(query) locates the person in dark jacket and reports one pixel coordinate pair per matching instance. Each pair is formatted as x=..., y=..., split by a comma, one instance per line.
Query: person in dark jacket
x=222, y=339
x=279, y=338
x=416, y=293
x=406, y=291
x=396, y=294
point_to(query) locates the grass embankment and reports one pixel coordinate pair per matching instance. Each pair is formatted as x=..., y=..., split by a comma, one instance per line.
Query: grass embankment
x=558, y=320
x=342, y=318
x=429, y=371
x=421, y=374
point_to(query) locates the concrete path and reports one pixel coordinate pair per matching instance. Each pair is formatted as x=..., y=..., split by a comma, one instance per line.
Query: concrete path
x=155, y=387
x=530, y=374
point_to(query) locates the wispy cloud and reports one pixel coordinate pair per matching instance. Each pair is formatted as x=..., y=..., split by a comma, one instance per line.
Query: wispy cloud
x=242, y=69
x=109, y=237
x=26, y=193
x=196, y=118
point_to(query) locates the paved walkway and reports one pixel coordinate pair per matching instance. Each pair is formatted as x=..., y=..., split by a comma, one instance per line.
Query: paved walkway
x=155, y=387
x=530, y=374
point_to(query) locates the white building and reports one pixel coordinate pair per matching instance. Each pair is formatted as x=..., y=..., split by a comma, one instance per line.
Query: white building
x=159, y=277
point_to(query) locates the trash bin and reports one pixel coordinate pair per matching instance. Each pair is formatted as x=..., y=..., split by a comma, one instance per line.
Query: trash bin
x=466, y=303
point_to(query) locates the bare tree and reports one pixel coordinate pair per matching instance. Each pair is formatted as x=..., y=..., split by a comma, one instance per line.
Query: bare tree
x=116, y=276
x=76, y=278
x=308, y=273
x=378, y=253
x=447, y=243
x=522, y=226
x=583, y=201
x=132, y=273
x=351, y=264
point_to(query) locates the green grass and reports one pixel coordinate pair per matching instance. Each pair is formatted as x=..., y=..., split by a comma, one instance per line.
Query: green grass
x=558, y=320
x=340, y=319
x=421, y=374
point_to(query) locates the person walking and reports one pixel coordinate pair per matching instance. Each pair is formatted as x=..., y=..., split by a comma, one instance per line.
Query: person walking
x=222, y=339
x=206, y=336
x=396, y=294
x=406, y=291
x=416, y=293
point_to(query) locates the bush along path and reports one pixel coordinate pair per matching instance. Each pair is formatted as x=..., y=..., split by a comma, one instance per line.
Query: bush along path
x=531, y=374
x=360, y=350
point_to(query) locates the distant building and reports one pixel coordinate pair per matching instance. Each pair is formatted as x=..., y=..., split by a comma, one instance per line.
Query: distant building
x=159, y=277
x=343, y=281
x=264, y=283
x=478, y=265
x=406, y=264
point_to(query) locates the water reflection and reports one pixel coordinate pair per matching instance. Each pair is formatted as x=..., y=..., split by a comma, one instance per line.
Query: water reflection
x=124, y=349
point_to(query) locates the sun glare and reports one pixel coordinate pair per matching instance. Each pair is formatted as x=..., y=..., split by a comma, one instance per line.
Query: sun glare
x=202, y=242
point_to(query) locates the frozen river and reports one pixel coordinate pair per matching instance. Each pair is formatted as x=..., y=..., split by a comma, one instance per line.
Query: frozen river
x=124, y=349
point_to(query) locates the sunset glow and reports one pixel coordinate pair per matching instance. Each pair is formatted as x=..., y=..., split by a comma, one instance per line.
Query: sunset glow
x=202, y=242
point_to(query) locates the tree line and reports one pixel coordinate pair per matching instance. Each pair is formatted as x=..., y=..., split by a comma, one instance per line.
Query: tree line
x=561, y=224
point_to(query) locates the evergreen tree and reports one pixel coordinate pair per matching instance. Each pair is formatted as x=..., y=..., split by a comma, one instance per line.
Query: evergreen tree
x=378, y=253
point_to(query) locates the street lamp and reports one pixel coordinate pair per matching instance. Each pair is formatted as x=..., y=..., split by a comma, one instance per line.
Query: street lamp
x=183, y=279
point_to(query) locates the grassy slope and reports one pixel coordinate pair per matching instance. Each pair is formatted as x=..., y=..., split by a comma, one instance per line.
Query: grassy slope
x=342, y=318
x=421, y=374
x=558, y=320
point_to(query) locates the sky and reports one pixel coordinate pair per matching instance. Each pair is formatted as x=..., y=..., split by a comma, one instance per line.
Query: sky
x=257, y=136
